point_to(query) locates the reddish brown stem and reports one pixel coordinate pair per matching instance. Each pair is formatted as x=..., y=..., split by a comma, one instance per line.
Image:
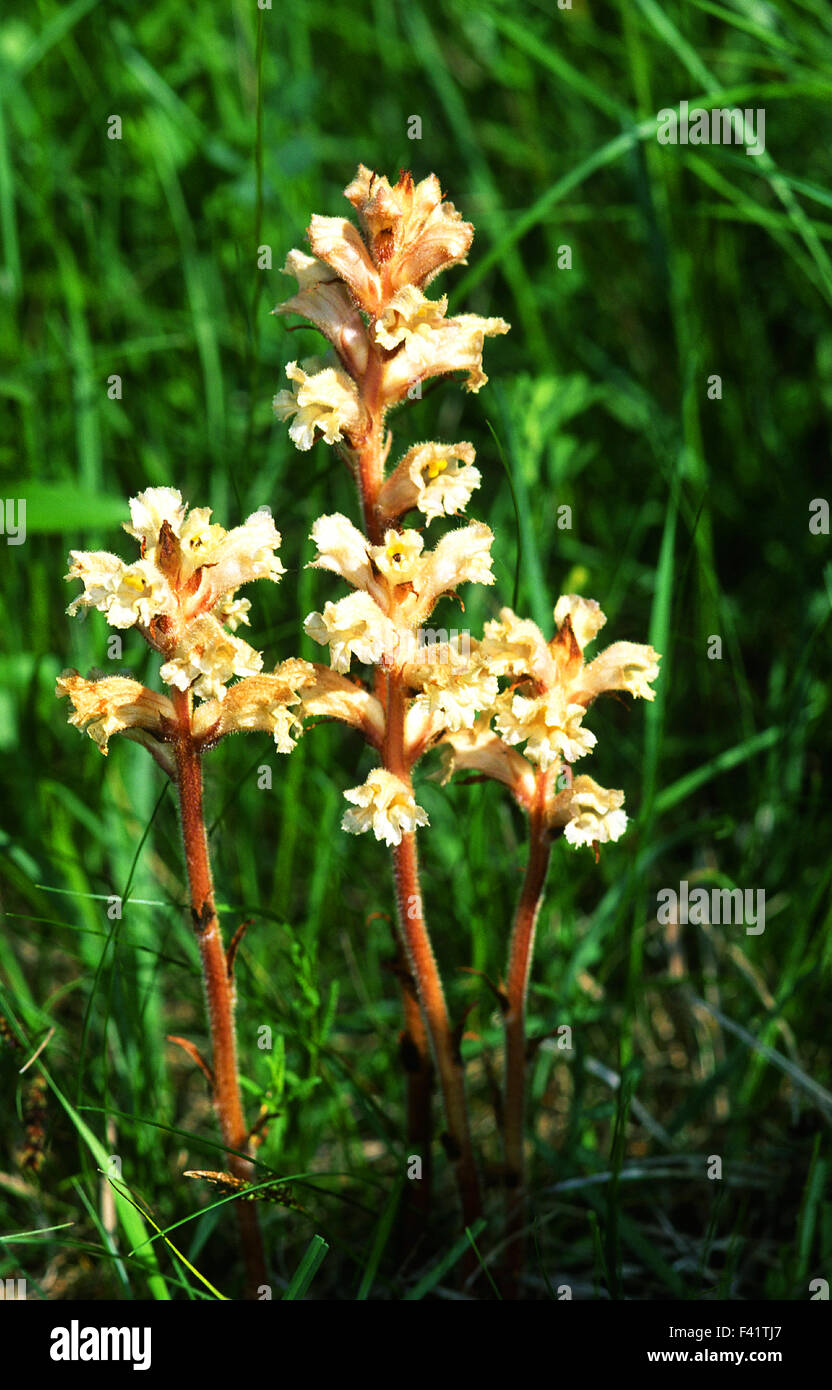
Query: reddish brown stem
x=418, y=1068
x=413, y=931
x=219, y=987
x=370, y=456
x=521, y=950
x=432, y=999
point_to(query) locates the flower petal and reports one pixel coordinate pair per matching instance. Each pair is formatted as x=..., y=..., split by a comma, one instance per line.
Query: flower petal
x=384, y=804
x=337, y=241
x=113, y=705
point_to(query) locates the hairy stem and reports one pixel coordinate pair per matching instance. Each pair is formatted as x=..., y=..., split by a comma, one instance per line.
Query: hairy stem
x=414, y=1051
x=425, y=974
x=434, y=1036
x=219, y=987
x=443, y=1044
x=521, y=949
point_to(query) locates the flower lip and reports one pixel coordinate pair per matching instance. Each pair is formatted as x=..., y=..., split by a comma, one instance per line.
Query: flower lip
x=324, y=398
x=588, y=814
x=437, y=479
x=384, y=804
x=354, y=626
x=115, y=704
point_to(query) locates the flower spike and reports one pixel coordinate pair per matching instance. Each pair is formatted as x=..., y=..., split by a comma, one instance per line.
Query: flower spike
x=364, y=289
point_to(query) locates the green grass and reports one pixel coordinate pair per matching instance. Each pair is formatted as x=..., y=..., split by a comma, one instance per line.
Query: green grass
x=138, y=258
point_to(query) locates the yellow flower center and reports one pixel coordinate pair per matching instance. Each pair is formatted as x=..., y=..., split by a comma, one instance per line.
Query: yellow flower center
x=436, y=466
x=202, y=538
x=133, y=581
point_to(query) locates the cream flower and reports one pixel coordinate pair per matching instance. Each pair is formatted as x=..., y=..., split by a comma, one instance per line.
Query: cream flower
x=410, y=318
x=232, y=612
x=480, y=750
x=286, y=729
x=354, y=626
x=206, y=657
x=623, y=666
x=234, y=558
x=141, y=594
x=461, y=556
x=457, y=694
x=337, y=242
x=399, y=558
x=595, y=814
x=177, y=541
x=190, y=566
x=411, y=232
x=516, y=647
x=583, y=613
x=128, y=595
x=334, y=696
x=325, y=400
x=549, y=725
x=384, y=804
x=327, y=303
x=307, y=270
x=270, y=702
x=149, y=510
x=100, y=571
x=265, y=711
x=452, y=345
x=438, y=479
x=114, y=705
x=342, y=548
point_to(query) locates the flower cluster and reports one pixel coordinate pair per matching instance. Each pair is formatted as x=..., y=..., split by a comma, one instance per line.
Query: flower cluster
x=395, y=587
x=511, y=706
x=542, y=709
x=364, y=290
x=181, y=594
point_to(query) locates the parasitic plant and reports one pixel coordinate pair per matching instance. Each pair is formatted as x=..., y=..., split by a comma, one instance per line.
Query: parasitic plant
x=181, y=595
x=365, y=291
x=510, y=706
x=548, y=690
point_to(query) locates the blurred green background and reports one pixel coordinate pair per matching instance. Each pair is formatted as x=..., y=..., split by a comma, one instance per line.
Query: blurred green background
x=138, y=257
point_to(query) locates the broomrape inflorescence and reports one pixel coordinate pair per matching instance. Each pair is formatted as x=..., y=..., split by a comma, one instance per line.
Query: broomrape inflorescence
x=181, y=595
x=549, y=689
x=365, y=291
x=510, y=706
x=542, y=707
